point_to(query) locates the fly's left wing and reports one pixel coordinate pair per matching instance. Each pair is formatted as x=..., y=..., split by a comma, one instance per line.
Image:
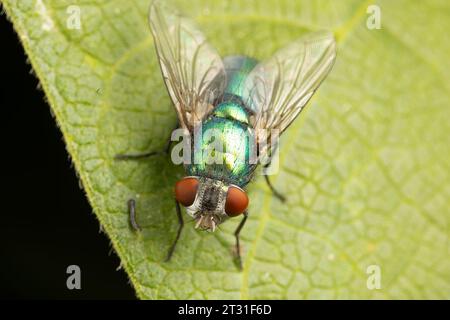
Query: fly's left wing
x=192, y=69
x=278, y=89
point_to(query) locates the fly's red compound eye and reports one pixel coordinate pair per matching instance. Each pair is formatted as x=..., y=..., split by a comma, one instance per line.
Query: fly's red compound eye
x=186, y=190
x=236, y=203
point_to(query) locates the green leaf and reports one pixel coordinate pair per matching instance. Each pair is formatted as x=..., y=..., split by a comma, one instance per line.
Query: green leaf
x=365, y=167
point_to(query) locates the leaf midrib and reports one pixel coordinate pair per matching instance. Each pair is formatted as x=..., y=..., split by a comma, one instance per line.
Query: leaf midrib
x=341, y=34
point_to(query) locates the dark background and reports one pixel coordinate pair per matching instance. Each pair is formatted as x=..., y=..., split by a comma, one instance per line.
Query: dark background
x=46, y=222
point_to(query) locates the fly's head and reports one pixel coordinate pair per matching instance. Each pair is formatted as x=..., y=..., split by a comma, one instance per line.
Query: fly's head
x=209, y=201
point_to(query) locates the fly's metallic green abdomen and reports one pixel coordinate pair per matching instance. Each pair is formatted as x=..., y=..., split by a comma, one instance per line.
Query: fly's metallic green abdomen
x=224, y=145
x=237, y=69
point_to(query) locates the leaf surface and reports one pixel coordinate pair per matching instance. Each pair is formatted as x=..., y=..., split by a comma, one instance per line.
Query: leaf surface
x=365, y=168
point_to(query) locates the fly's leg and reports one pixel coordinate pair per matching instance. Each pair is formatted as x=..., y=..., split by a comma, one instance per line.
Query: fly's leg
x=136, y=156
x=136, y=227
x=276, y=193
x=132, y=215
x=132, y=202
x=180, y=228
x=236, y=234
x=139, y=156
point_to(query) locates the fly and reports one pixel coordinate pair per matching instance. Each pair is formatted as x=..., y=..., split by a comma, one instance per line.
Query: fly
x=236, y=97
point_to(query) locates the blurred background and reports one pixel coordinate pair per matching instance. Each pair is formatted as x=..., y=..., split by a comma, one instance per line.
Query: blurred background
x=46, y=222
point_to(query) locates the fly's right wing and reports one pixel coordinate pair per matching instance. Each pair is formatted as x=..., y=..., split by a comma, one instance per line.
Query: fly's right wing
x=278, y=89
x=192, y=69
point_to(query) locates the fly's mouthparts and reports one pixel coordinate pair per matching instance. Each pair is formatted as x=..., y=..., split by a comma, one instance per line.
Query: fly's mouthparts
x=206, y=222
x=199, y=221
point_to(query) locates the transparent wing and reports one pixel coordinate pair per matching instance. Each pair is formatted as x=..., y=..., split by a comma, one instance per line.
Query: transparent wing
x=192, y=70
x=278, y=89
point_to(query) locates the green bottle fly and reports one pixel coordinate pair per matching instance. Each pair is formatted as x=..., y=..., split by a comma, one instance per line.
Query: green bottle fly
x=229, y=108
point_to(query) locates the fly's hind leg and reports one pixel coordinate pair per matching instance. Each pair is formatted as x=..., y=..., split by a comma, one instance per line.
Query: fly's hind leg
x=236, y=234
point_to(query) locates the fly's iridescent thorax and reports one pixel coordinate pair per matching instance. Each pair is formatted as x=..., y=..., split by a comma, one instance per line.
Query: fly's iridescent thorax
x=224, y=145
x=232, y=110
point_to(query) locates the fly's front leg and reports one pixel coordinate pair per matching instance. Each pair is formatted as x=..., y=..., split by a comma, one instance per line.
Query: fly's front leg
x=236, y=234
x=132, y=215
x=134, y=224
x=180, y=228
